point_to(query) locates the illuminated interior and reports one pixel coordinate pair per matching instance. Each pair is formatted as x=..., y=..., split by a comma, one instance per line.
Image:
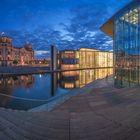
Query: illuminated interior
x=86, y=58
x=69, y=60
x=127, y=46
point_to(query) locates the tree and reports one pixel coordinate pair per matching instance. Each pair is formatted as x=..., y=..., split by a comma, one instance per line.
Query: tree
x=15, y=62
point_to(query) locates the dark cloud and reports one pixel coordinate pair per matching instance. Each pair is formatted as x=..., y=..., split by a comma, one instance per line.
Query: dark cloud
x=81, y=29
x=85, y=24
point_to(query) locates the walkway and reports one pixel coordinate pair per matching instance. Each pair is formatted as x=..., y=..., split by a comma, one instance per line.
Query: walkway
x=97, y=113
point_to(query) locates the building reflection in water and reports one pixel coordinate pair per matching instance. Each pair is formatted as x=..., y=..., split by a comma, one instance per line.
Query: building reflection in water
x=22, y=80
x=78, y=79
x=28, y=91
x=54, y=83
x=8, y=84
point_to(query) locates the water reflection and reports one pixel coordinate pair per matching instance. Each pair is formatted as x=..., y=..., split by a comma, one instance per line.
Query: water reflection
x=24, y=80
x=78, y=79
x=28, y=91
x=8, y=84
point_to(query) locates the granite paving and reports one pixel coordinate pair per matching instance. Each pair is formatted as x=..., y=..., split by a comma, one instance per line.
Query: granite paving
x=99, y=112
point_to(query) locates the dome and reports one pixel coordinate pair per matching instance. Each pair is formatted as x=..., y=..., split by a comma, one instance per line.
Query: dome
x=5, y=39
x=28, y=47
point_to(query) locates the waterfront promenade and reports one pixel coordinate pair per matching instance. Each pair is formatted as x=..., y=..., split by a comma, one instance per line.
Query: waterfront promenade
x=23, y=70
x=98, y=112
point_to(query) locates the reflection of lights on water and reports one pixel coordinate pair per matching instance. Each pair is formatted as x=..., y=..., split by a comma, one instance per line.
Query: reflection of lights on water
x=58, y=76
x=26, y=79
x=40, y=75
x=9, y=82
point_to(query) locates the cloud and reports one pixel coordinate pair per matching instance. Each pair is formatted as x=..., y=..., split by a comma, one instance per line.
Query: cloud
x=81, y=29
x=84, y=27
x=41, y=52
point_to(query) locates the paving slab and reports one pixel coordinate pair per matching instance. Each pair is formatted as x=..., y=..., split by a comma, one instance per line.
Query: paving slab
x=98, y=112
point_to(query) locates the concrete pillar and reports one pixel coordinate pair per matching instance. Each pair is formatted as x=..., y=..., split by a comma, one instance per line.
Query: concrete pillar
x=53, y=64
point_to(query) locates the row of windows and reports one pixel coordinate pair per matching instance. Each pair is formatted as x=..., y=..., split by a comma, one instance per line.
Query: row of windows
x=127, y=45
x=8, y=58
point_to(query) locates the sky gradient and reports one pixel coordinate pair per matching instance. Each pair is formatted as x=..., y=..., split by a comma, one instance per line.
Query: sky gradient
x=69, y=24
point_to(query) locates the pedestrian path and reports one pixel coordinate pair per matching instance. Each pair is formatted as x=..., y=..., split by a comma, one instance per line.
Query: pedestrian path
x=98, y=112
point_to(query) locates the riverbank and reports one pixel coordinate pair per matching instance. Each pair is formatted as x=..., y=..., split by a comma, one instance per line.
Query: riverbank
x=21, y=70
x=98, y=112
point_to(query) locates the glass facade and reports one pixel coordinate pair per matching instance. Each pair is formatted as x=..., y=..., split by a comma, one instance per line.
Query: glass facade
x=69, y=60
x=127, y=46
x=86, y=58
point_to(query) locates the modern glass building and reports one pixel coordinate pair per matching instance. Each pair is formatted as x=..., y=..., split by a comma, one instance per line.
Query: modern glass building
x=85, y=58
x=69, y=59
x=124, y=28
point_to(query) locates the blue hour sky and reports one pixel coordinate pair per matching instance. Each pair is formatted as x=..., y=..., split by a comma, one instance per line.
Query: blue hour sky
x=69, y=24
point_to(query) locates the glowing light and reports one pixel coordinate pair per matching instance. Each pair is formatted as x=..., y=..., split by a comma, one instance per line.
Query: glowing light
x=40, y=75
x=2, y=33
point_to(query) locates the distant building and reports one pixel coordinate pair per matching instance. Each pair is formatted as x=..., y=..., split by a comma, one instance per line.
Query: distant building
x=82, y=58
x=42, y=62
x=10, y=55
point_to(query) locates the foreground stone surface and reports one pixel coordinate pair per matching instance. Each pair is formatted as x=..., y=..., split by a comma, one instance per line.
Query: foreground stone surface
x=98, y=112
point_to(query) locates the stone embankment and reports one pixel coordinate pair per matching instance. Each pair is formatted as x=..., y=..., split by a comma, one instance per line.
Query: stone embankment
x=23, y=70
